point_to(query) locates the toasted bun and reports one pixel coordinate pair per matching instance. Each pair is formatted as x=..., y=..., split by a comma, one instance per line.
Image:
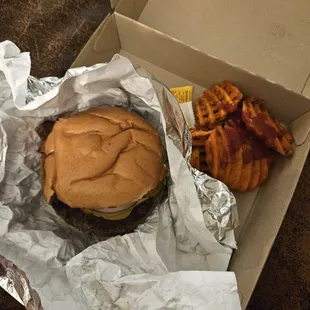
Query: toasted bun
x=103, y=157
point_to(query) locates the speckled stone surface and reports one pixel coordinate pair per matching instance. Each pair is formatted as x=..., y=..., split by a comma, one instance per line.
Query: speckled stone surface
x=54, y=32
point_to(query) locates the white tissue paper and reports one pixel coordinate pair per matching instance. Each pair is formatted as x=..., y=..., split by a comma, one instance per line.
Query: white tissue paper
x=171, y=262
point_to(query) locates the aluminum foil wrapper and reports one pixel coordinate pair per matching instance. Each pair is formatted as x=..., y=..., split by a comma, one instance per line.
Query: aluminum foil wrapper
x=176, y=259
x=15, y=282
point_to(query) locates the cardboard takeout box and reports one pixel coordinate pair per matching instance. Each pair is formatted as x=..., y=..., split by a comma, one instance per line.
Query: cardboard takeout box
x=175, y=64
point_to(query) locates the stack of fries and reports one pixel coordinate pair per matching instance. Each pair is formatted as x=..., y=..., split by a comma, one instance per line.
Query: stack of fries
x=233, y=139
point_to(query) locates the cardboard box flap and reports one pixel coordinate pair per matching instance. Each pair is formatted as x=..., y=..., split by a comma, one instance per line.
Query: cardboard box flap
x=199, y=67
x=131, y=8
x=110, y=41
x=166, y=77
x=269, y=38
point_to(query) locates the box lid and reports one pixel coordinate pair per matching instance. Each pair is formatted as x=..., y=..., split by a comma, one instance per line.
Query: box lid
x=268, y=37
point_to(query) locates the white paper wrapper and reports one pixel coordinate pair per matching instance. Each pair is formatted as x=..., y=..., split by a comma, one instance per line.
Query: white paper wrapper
x=154, y=267
x=187, y=110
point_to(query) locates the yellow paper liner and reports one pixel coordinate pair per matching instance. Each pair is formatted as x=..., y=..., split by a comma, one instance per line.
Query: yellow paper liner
x=183, y=94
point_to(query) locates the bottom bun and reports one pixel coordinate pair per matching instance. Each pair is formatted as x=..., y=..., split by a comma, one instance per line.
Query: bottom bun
x=101, y=227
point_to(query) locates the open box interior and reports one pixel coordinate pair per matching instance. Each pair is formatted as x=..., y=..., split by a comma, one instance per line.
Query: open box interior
x=176, y=64
x=271, y=40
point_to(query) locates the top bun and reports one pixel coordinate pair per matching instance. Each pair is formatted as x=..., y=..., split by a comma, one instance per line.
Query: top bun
x=103, y=157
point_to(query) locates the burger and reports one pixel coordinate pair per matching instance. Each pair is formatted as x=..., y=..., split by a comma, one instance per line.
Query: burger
x=102, y=165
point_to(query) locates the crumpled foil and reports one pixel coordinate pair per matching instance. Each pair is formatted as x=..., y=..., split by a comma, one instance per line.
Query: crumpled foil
x=39, y=87
x=182, y=246
x=16, y=283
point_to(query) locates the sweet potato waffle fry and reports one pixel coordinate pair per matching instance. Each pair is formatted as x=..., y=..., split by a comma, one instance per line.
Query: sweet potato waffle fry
x=199, y=137
x=267, y=129
x=195, y=159
x=233, y=92
x=215, y=104
x=232, y=142
x=198, y=159
x=231, y=158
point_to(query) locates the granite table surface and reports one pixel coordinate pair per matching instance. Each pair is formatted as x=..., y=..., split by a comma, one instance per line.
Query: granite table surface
x=54, y=32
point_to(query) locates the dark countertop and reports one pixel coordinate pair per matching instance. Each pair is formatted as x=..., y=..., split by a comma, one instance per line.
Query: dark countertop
x=54, y=32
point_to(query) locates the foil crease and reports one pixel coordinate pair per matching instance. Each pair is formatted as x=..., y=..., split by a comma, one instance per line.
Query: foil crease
x=217, y=202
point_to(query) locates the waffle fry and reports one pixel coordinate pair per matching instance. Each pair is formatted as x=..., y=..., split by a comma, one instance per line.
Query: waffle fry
x=199, y=137
x=236, y=168
x=246, y=177
x=198, y=159
x=218, y=155
x=241, y=156
x=195, y=159
x=227, y=103
x=207, y=113
x=264, y=170
x=247, y=156
x=211, y=154
x=255, y=177
x=233, y=92
x=268, y=130
x=231, y=158
x=216, y=104
x=232, y=144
